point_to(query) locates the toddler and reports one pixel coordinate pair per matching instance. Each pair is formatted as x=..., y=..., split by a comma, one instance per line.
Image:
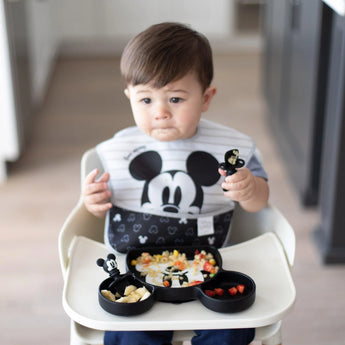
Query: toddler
x=162, y=185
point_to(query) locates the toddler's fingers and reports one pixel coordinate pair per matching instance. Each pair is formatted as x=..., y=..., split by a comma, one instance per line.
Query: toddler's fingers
x=98, y=198
x=222, y=172
x=93, y=188
x=90, y=177
x=104, y=178
x=240, y=174
x=102, y=207
x=238, y=186
x=99, y=210
x=241, y=195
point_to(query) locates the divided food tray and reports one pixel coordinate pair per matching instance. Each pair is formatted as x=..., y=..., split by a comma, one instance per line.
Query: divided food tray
x=215, y=291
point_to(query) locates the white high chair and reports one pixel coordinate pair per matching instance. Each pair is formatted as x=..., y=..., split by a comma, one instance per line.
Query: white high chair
x=245, y=226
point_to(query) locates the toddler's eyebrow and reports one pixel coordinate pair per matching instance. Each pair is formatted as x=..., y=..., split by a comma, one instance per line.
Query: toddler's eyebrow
x=168, y=90
x=142, y=91
x=178, y=90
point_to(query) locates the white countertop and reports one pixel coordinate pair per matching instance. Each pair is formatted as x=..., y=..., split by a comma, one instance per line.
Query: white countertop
x=336, y=5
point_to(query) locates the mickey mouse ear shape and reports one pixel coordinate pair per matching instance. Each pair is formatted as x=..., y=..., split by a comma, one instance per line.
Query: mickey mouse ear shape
x=100, y=262
x=111, y=256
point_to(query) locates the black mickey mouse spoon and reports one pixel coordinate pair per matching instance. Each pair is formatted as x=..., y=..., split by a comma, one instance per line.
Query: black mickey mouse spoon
x=232, y=162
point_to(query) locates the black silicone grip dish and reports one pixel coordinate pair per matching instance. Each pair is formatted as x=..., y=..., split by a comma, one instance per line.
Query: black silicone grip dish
x=224, y=279
x=124, y=309
x=172, y=294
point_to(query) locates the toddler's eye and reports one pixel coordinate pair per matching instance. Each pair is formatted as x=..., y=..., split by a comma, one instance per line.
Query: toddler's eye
x=175, y=100
x=146, y=100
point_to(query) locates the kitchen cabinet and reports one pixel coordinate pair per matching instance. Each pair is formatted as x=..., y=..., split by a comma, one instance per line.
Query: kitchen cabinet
x=331, y=233
x=304, y=85
x=43, y=42
x=294, y=82
x=17, y=30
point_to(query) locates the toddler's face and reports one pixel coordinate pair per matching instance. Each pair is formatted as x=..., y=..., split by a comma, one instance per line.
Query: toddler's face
x=171, y=112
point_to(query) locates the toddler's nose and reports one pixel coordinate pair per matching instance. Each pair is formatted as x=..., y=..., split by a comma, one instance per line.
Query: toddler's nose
x=162, y=113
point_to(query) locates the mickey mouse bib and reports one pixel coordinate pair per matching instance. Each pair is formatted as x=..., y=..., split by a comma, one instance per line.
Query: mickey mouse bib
x=169, y=193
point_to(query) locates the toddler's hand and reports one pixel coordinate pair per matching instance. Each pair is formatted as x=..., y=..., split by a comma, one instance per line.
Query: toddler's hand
x=239, y=186
x=96, y=194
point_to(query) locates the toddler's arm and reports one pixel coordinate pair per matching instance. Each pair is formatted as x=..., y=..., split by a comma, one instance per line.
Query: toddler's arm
x=96, y=194
x=250, y=191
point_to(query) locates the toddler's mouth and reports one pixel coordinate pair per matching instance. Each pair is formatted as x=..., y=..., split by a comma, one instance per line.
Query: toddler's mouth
x=164, y=130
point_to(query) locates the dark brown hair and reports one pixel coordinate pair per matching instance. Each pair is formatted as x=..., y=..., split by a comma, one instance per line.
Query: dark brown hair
x=164, y=53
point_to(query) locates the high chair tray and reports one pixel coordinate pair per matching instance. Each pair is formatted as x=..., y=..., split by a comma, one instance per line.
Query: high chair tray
x=173, y=274
x=262, y=258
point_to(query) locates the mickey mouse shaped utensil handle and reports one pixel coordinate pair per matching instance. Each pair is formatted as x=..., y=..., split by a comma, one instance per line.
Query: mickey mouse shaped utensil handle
x=231, y=163
x=110, y=266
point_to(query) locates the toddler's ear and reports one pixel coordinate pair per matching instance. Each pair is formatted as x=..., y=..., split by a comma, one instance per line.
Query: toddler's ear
x=126, y=92
x=208, y=95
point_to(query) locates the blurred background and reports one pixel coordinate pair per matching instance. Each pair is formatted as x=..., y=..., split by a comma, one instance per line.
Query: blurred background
x=280, y=74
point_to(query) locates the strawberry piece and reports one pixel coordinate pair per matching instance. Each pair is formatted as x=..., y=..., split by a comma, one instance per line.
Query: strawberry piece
x=219, y=291
x=240, y=288
x=233, y=291
x=210, y=293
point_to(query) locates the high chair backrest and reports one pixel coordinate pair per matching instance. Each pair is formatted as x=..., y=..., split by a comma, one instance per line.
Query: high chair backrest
x=80, y=221
x=246, y=225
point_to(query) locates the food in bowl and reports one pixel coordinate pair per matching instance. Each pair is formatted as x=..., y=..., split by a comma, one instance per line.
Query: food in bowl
x=174, y=269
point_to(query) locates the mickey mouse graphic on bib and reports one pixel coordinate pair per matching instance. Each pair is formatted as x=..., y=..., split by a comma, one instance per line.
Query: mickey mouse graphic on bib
x=174, y=190
x=169, y=192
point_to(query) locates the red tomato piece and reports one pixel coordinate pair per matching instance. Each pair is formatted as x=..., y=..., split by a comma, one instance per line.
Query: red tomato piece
x=209, y=267
x=233, y=291
x=195, y=282
x=210, y=293
x=240, y=288
x=219, y=291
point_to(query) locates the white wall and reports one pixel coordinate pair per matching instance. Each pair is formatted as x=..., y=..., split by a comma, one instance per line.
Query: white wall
x=43, y=44
x=101, y=26
x=9, y=148
x=123, y=20
x=82, y=19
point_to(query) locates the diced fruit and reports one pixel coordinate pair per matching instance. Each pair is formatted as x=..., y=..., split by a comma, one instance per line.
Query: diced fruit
x=195, y=282
x=212, y=262
x=202, y=255
x=179, y=264
x=210, y=293
x=240, y=288
x=208, y=267
x=219, y=291
x=233, y=291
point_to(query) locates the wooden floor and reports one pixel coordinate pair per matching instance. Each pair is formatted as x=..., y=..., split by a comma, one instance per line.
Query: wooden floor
x=84, y=105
